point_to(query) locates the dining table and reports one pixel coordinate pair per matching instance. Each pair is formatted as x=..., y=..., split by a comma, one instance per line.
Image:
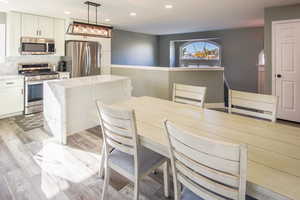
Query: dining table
x=273, y=170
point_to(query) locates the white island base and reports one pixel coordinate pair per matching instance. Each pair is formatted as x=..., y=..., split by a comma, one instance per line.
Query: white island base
x=70, y=105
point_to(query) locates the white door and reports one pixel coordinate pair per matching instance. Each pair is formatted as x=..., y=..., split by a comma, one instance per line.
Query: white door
x=286, y=68
x=46, y=27
x=29, y=25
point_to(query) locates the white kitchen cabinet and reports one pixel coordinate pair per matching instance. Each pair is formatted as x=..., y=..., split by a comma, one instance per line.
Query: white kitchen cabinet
x=12, y=96
x=105, y=62
x=46, y=27
x=37, y=26
x=13, y=33
x=59, y=36
x=30, y=25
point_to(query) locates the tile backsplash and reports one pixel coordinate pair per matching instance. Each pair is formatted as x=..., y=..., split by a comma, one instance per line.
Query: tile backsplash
x=9, y=66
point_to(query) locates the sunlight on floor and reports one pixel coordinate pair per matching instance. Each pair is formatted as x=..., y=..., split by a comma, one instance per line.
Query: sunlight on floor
x=60, y=164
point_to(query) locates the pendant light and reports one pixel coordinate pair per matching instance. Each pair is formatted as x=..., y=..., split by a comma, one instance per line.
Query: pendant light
x=89, y=29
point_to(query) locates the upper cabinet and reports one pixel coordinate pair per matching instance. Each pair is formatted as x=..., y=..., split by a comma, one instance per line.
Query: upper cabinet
x=46, y=27
x=28, y=25
x=13, y=33
x=59, y=36
x=37, y=26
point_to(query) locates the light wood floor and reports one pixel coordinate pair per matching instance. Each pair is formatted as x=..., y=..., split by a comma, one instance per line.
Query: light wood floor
x=34, y=167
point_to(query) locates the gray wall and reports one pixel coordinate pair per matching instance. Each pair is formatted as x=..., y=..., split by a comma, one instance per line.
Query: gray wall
x=154, y=83
x=274, y=14
x=159, y=83
x=129, y=48
x=239, y=57
x=213, y=80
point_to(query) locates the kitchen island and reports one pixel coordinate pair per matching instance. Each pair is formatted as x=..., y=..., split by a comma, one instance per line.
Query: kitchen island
x=69, y=105
x=158, y=81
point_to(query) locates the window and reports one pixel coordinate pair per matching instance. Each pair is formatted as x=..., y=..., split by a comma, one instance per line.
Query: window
x=199, y=53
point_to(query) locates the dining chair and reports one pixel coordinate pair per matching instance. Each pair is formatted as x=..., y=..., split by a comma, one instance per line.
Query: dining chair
x=189, y=94
x=207, y=169
x=128, y=157
x=253, y=104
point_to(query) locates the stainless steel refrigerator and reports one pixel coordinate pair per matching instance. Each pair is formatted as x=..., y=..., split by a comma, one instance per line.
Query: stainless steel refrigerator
x=83, y=58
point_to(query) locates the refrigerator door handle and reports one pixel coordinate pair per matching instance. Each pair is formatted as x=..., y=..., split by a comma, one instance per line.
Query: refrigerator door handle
x=89, y=60
x=99, y=56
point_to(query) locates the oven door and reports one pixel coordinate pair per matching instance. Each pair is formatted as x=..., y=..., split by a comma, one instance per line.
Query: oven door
x=34, y=93
x=28, y=48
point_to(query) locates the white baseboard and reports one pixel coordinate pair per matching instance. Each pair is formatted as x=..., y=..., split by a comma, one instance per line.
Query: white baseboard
x=215, y=105
x=11, y=115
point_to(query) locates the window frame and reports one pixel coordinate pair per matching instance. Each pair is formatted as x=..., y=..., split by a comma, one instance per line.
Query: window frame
x=196, y=41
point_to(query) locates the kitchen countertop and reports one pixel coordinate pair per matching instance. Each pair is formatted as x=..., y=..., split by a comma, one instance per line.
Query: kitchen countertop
x=171, y=69
x=9, y=77
x=87, y=80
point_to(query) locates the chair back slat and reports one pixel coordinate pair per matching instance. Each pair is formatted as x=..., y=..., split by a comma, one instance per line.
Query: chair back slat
x=209, y=184
x=188, y=94
x=200, y=191
x=206, y=145
x=219, y=176
x=211, y=169
x=252, y=104
x=220, y=164
x=120, y=146
x=118, y=128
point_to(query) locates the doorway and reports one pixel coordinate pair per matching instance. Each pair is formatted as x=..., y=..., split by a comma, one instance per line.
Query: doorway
x=286, y=68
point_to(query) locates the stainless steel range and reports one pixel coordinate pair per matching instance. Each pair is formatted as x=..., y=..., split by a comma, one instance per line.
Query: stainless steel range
x=35, y=75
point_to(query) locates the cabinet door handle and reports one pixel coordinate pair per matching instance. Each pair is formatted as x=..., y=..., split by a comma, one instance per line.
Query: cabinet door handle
x=37, y=33
x=22, y=91
x=9, y=83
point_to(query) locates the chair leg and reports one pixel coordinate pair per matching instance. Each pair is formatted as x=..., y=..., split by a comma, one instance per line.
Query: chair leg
x=101, y=168
x=106, y=180
x=167, y=179
x=136, y=189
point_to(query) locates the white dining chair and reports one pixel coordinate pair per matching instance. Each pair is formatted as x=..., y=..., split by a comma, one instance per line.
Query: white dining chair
x=207, y=169
x=189, y=94
x=128, y=157
x=253, y=104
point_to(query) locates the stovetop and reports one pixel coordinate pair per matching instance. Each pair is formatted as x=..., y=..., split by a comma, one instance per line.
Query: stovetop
x=38, y=73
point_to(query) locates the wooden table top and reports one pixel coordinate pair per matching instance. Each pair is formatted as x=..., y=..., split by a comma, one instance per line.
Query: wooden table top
x=273, y=148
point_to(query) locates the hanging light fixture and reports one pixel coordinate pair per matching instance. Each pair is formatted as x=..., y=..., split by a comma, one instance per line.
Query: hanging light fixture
x=89, y=29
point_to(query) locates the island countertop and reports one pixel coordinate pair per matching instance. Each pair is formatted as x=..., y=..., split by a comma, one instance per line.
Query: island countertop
x=87, y=80
x=171, y=69
x=70, y=104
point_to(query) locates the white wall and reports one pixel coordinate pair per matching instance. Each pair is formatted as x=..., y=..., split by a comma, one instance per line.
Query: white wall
x=2, y=43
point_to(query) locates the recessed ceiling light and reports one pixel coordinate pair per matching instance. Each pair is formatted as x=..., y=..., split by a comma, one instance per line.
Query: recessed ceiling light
x=107, y=20
x=168, y=6
x=132, y=14
x=67, y=12
x=3, y=1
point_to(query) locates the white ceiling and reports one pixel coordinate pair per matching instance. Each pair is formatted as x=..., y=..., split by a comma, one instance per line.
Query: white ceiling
x=153, y=18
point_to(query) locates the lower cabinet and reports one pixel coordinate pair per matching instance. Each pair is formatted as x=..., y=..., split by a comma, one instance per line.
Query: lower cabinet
x=12, y=97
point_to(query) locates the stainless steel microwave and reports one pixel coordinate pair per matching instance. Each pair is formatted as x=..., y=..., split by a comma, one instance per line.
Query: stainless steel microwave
x=37, y=46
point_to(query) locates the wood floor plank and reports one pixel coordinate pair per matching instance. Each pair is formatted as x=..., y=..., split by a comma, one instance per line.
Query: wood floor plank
x=5, y=193
x=50, y=187
x=7, y=162
x=20, y=187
